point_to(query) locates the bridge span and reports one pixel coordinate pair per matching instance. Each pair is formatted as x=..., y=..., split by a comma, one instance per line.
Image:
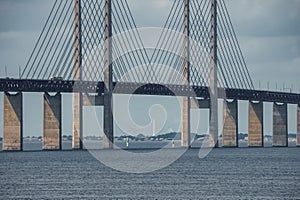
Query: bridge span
x=200, y=98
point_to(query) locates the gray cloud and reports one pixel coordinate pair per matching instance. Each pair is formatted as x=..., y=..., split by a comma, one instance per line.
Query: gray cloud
x=269, y=35
x=23, y=15
x=265, y=18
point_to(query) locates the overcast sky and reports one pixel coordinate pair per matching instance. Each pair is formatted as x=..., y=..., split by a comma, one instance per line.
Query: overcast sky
x=268, y=31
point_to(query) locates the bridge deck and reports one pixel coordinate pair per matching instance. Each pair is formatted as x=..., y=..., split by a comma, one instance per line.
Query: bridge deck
x=19, y=85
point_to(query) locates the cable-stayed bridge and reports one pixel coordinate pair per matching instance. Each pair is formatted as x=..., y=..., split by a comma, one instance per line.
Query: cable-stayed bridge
x=91, y=46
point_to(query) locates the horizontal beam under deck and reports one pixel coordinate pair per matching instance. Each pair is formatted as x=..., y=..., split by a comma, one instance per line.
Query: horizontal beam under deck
x=18, y=85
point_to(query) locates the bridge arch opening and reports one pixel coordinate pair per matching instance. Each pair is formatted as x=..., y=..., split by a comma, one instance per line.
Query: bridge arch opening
x=155, y=120
x=66, y=121
x=293, y=123
x=243, y=120
x=199, y=126
x=92, y=127
x=32, y=121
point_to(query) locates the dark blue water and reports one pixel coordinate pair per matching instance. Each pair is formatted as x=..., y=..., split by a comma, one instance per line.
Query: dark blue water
x=67, y=145
x=241, y=173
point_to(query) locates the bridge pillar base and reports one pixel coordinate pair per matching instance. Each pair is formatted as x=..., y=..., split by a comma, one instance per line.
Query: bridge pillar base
x=280, y=137
x=185, y=117
x=298, y=125
x=255, y=125
x=230, y=129
x=52, y=122
x=13, y=122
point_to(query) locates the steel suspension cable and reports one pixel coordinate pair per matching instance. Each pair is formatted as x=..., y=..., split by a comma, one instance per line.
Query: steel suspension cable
x=239, y=48
x=40, y=36
x=57, y=46
x=53, y=42
x=50, y=26
x=228, y=50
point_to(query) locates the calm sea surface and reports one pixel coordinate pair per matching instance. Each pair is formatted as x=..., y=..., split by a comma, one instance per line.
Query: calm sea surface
x=240, y=173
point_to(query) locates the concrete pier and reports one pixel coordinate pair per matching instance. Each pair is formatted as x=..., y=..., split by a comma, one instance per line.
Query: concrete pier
x=230, y=128
x=255, y=125
x=77, y=121
x=52, y=122
x=186, y=101
x=13, y=122
x=77, y=69
x=213, y=79
x=298, y=125
x=280, y=135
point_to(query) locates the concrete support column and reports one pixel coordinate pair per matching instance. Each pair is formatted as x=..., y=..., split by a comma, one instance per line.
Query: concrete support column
x=13, y=122
x=255, y=137
x=77, y=121
x=186, y=101
x=298, y=125
x=230, y=129
x=77, y=97
x=52, y=122
x=280, y=135
x=108, y=137
x=213, y=122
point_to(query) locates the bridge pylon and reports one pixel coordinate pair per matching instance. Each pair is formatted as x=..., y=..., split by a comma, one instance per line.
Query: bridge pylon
x=77, y=128
x=213, y=122
x=186, y=101
x=108, y=136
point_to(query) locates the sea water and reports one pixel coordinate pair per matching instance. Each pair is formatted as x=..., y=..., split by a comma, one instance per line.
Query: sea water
x=237, y=173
